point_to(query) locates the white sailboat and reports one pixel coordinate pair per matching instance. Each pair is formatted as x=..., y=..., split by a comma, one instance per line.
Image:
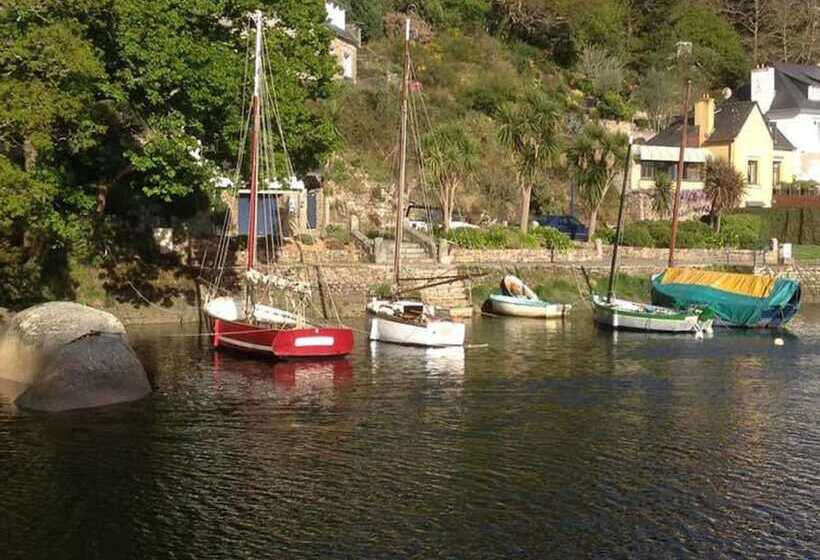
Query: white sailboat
x=403, y=321
x=623, y=314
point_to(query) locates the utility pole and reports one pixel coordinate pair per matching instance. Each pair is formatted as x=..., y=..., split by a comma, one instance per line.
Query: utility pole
x=683, y=137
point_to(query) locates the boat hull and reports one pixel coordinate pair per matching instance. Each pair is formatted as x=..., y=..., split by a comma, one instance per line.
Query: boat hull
x=520, y=307
x=738, y=300
x=285, y=343
x=616, y=317
x=433, y=334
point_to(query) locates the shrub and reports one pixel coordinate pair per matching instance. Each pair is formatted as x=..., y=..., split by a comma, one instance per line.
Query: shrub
x=637, y=235
x=744, y=231
x=606, y=234
x=497, y=237
x=305, y=239
x=696, y=235
x=551, y=238
x=337, y=233
x=660, y=231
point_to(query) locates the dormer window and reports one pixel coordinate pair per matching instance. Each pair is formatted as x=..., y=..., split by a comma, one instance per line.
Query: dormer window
x=814, y=93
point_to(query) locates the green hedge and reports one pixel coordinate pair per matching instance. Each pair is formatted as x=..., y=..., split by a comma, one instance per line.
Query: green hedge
x=737, y=231
x=800, y=226
x=508, y=238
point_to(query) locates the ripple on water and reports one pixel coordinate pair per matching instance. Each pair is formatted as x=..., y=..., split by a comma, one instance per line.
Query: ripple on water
x=556, y=440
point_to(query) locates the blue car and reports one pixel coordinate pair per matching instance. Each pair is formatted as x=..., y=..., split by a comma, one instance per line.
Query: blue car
x=566, y=224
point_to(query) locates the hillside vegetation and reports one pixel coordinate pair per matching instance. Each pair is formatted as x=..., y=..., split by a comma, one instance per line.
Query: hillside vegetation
x=117, y=115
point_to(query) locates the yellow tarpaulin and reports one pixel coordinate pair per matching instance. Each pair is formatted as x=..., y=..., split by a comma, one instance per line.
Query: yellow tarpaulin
x=752, y=285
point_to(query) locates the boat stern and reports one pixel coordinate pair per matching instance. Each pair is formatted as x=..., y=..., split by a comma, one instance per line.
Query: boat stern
x=313, y=342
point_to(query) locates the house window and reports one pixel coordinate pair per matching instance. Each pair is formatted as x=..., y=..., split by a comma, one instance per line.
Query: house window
x=776, y=178
x=751, y=172
x=647, y=170
x=692, y=171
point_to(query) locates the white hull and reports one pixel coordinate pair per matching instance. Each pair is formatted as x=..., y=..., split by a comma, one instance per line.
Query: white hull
x=549, y=311
x=431, y=332
x=622, y=314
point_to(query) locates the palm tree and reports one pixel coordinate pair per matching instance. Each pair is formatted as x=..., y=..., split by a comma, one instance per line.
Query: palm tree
x=451, y=158
x=662, y=195
x=596, y=158
x=532, y=130
x=724, y=186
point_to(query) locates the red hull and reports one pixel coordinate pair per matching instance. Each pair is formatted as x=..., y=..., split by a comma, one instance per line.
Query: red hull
x=311, y=342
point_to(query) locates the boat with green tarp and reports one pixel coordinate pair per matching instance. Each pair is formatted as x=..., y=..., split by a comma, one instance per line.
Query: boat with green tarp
x=738, y=300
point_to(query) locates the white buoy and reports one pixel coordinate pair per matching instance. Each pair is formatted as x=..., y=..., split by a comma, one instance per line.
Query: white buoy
x=778, y=341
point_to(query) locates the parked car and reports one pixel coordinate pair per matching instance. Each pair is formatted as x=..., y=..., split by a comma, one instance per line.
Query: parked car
x=566, y=224
x=421, y=217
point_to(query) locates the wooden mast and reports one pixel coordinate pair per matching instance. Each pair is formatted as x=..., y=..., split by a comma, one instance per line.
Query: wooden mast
x=402, y=157
x=256, y=113
x=613, y=267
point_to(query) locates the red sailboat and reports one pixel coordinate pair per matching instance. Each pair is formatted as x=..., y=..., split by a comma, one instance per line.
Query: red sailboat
x=243, y=323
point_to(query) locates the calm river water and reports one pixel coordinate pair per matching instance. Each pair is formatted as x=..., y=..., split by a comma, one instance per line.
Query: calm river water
x=558, y=440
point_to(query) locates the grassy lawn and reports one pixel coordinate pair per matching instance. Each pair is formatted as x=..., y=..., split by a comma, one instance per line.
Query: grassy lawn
x=564, y=290
x=806, y=252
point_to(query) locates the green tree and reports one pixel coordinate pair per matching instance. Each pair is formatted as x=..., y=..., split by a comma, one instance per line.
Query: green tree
x=532, y=130
x=451, y=160
x=724, y=187
x=716, y=47
x=596, y=158
x=658, y=93
x=30, y=229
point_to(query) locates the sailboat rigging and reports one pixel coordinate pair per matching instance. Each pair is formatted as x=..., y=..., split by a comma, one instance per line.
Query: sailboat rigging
x=243, y=323
x=617, y=313
x=405, y=321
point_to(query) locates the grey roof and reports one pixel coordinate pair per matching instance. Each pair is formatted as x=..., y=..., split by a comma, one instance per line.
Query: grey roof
x=345, y=35
x=670, y=136
x=729, y=120
x=780, y=141
x=791, y=83
x=730, y=117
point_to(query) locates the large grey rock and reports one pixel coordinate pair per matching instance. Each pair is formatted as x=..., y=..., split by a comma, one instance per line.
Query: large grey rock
x=95, y=370
x=49, y=326
x=70, y=356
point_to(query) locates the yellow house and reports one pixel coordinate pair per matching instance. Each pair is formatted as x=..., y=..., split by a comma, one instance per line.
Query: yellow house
x=734, y=131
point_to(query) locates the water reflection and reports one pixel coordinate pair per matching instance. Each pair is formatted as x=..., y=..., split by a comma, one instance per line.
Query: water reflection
x=434, y=361
x=313, y=381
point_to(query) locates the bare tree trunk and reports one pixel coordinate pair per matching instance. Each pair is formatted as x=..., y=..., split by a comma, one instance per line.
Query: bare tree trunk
x=526, y=195
x=104, y=188
x=29, y=155
x=446, y=208
x=593, y=219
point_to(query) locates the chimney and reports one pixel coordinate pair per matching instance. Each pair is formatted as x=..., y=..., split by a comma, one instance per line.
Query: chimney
x=763, y=89
x=705, y=118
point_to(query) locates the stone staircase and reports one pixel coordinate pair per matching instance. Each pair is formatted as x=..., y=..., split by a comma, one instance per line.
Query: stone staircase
x=453, y=298
x=411, y=253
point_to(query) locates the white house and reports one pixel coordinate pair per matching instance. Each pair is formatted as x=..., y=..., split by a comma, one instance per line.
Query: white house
x=789, y=96
x=346, y=40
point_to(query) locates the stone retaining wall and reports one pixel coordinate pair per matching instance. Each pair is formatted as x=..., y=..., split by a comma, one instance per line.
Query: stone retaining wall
x=589, y=253
x=459, y=256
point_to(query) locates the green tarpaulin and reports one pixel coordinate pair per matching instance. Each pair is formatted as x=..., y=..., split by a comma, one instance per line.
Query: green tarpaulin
x=733, y=309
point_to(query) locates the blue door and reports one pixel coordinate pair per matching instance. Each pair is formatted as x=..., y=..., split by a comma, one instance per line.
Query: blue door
x=266, y=210
x=312, y=217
